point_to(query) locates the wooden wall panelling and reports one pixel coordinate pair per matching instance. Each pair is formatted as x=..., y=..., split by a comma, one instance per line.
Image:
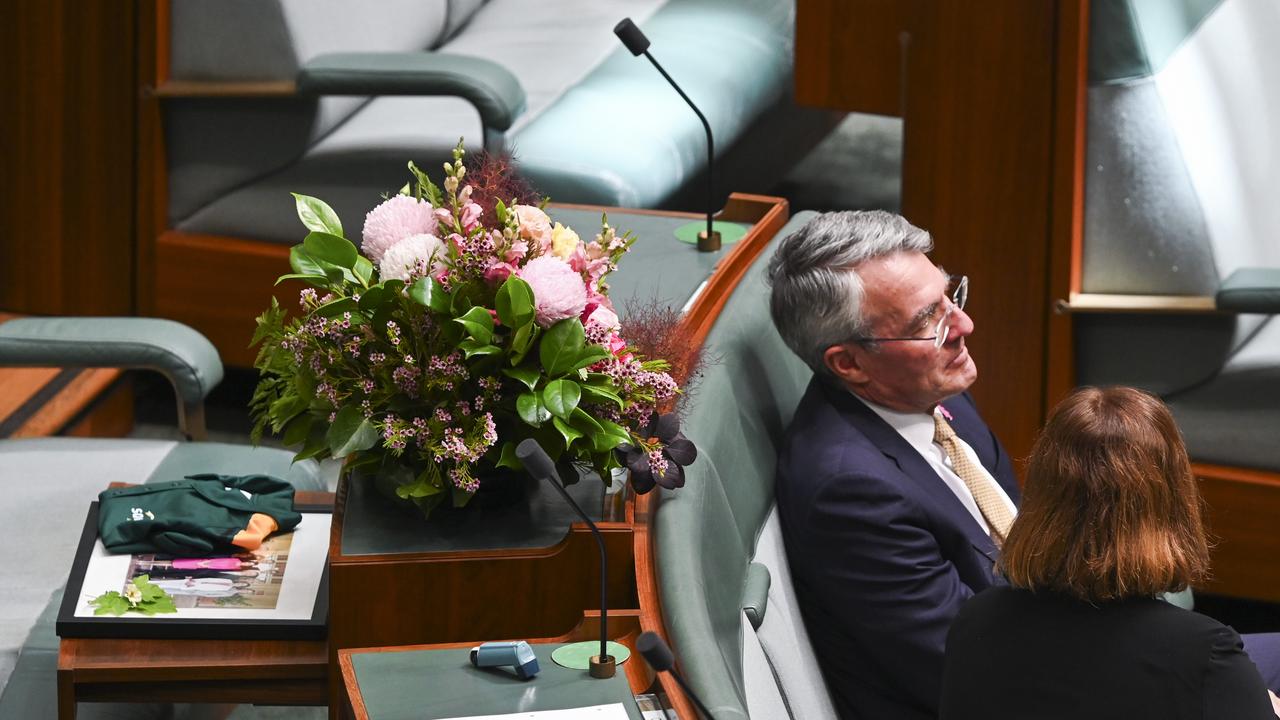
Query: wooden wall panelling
x=977, y=173
x=67, y=144
x=1067, y=218
x=979, y=88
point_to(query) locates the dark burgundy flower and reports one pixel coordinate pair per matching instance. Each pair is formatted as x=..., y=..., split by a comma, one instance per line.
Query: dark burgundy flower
x=675, y=452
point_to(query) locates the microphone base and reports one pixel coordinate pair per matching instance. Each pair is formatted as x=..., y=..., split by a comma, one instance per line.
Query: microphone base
x=709, y=244
x=602, y=667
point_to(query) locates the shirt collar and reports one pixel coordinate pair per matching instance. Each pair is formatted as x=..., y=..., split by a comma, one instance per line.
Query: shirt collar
x=915, y=427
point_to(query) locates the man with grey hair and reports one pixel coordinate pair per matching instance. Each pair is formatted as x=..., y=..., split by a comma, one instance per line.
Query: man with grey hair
x=893, y=493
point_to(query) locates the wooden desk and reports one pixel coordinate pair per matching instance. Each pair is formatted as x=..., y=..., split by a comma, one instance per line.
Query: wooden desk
x=442, y=683
x=269, y=672
x=455, y=585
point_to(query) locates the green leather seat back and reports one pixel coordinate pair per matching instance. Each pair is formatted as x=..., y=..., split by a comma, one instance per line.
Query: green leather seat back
x=707, y=531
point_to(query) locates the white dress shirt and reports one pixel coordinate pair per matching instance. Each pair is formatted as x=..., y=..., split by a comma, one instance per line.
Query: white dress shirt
x=917, y=429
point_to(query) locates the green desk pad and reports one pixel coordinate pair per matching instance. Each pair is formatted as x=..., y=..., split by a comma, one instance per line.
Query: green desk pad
x=659, y=268
x=433, y=684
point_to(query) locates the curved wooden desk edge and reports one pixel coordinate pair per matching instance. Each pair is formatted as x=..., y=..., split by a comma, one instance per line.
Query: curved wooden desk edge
x=769, y=215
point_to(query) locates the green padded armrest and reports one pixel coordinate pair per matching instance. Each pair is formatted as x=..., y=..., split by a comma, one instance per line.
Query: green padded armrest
x=181, y=354
x=755, y=593
x=1251, y=290
x=491, y=88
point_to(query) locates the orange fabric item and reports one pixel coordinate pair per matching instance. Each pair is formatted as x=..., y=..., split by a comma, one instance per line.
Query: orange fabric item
x=260, y=526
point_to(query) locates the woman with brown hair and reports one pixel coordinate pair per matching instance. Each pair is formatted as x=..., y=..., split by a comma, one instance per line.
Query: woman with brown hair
x=1110, y=520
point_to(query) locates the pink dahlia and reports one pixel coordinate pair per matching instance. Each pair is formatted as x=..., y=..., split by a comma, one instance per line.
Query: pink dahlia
x=558, y=292
x=398, y=217
x=412, y=257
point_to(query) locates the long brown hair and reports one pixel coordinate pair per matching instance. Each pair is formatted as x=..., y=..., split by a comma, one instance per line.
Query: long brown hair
x=1111, y=508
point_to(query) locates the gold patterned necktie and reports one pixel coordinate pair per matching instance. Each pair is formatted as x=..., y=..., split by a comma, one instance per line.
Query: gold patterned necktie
x=985, y=493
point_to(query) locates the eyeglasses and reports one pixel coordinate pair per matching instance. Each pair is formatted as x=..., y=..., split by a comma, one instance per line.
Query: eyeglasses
x=940, y=331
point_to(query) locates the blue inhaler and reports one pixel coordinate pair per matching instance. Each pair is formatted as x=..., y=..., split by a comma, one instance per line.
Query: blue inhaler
x=516, y=654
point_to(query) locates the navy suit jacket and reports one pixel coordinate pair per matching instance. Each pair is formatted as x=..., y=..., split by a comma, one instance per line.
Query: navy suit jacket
x=882, y=552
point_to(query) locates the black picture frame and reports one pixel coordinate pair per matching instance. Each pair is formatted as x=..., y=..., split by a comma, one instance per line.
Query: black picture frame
x=174, y=627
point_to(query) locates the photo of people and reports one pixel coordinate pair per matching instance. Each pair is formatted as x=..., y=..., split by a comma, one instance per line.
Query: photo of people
x=247, y=580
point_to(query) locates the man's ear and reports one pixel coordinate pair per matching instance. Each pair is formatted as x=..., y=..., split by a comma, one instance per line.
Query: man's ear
x=845, y=361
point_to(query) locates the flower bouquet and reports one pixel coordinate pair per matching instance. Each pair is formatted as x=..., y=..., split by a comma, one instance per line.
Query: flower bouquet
x=463, y=324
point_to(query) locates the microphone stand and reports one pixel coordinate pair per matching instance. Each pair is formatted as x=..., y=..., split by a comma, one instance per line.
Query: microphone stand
x=538, y=464
x=636, y=42
x=604, y=661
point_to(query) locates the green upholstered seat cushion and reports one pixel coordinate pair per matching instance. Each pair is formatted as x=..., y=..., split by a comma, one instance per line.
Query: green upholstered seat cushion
x=1251, y=290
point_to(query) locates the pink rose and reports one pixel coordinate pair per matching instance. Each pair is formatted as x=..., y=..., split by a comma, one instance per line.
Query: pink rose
x=470, y=216
x=604, y=317
x=616, y=346
x=498, y=272
x=534, y=225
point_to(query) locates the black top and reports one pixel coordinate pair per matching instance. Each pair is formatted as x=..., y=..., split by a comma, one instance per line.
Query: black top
x=1017, y=654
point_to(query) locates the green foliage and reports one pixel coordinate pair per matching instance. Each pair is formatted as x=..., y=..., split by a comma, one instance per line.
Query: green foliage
x=428, y=383
x=140, y=596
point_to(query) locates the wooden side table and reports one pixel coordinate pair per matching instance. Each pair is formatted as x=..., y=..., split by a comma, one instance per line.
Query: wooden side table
x=267, y=672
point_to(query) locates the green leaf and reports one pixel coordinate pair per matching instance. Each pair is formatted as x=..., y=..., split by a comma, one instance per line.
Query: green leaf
x=507, y=457
x=303, y=264
x=298, y=430
x=569, y=432
x=561, y=346
x=522, y=341
x=316, y=215
x=478, y=322
x=582, y=420
x=350, y=432
x=319, y=279
x=527, y=375
x=514, y=302
x=530, y=408
x=162, y=604
x=374, y=298
x=475, y=347
x=614, y=431
x=334, y=308
x=426, y=291
x=561, y=397
x=317, y=446
x=110, y=603
x=500, y=211
x=597, y=394
x=591, y=355
x=332, y=249
x=363, y=269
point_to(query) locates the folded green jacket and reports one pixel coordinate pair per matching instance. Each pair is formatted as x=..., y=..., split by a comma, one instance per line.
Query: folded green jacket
x=201, y=515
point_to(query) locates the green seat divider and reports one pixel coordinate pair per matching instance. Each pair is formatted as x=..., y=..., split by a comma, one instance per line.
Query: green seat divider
x=755, y=593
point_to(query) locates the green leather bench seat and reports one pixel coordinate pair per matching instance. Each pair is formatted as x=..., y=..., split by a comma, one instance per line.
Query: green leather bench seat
x=598, y=125
x=727, y=600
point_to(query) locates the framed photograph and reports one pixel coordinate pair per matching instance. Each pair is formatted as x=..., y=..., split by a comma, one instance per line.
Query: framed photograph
x=279, y=591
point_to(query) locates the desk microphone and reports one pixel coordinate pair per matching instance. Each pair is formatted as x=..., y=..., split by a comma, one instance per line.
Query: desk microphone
x=638, y=44
x=539, y=465
x=658, y=655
